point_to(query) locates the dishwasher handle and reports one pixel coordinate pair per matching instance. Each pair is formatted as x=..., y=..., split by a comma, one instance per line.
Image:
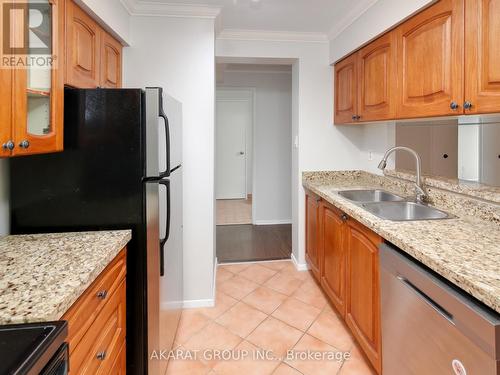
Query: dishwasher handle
x=433, y=304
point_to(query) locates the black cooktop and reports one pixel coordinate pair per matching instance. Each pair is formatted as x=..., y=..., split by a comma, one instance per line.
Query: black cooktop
x=26, y=347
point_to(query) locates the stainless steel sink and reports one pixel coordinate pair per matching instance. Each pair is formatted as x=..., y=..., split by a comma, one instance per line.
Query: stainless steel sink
x=370, y=196
x=404, y=211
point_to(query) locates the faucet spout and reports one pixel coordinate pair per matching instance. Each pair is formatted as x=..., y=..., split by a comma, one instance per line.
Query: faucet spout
x=420, y=194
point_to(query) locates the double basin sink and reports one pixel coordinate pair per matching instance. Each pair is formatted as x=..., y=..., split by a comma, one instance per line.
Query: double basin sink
x=390, y=206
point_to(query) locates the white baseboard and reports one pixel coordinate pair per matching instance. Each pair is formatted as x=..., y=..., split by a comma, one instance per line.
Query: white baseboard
x=175, y=305
x=299, y=266
x=272, y=222
x=190, y=304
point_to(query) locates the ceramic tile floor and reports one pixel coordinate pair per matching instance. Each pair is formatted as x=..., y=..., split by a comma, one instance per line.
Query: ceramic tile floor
x=265, y=308
x=234, y=211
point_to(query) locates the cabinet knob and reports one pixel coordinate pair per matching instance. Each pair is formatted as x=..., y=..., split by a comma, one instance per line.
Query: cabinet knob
x=24, y=144
x=467, y=105
x=454, y=106
x=354, y=117
x=9, y=145
x=102, y=294
x=344, y=217
x=101, y=356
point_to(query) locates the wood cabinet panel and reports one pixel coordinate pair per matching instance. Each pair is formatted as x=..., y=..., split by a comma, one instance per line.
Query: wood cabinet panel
x=100, y=346
x=83, y=48
x=120, y=365
x=482, y=60
x=84, y=312
x=363, y=290
x=312, y=233
x=5, y=111
x=345, y=82
x=34, y=95
x=377, y=79
x=430, y=61
x=333, y=268
x=111, y=62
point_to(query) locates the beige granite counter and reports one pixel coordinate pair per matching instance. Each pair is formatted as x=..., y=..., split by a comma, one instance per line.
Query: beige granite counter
x=464, y=249
x=42, y=275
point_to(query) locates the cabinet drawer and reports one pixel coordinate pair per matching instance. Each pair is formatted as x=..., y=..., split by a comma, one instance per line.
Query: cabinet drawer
x=84, y=311
x=100, y=346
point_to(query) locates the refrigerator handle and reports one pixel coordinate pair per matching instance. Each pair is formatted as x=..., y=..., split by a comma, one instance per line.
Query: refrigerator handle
x=164, y=240
x=162, y=114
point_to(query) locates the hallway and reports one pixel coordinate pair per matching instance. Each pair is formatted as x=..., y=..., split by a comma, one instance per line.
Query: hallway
x=244, y=243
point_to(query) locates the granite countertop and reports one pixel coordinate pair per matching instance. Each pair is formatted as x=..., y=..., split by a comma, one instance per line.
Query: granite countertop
x=464, y=250
x=42, y=275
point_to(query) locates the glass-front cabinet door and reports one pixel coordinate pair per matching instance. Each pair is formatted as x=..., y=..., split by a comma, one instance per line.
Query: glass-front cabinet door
x=38, y=90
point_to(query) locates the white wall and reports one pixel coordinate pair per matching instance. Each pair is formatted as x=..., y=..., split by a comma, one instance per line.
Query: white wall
x=178, y=54
x=111, y=14
x=321, y=145
x=272, y=138
x=468, y=157
x=4, y=198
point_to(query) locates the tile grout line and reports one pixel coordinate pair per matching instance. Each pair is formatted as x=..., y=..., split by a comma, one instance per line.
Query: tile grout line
x=303, y=332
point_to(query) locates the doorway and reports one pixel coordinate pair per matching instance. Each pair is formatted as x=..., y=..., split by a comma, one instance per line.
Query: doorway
x=234, y=135
x=253, y=162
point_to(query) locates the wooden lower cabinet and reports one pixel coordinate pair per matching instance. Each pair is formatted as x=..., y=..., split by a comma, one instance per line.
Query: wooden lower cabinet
x=312, y=233
x=348, y=266
x=97, y=324
x=120, y=365
x=333, y=275
x=363, y=289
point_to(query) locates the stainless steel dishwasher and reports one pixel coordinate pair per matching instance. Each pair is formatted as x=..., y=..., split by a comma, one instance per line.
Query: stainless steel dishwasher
x=431, y=327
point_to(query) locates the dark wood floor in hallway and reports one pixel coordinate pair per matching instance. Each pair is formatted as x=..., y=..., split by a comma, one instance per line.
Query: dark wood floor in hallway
x=242, y=243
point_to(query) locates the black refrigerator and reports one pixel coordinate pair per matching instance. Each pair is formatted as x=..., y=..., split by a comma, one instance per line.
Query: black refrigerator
x=121, y=168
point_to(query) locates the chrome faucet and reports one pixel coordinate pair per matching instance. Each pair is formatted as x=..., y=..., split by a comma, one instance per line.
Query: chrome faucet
x=420, y=194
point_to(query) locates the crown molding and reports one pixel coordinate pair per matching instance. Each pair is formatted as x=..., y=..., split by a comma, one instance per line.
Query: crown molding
x=152, y=8
x=355, y=12
x=272, y=36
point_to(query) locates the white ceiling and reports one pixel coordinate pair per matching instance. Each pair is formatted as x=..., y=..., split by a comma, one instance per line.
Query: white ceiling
x=314, y=16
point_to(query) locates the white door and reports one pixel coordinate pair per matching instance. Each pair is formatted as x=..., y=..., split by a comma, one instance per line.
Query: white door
x=233, y=118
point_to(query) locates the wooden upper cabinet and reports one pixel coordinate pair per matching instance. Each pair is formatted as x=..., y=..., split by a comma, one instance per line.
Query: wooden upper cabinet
x=83, y=48
x=377, y=79
x=363, y=290
x=312, y=233
x=430, y=61
x=111, y=62
x=37, y=90
x=333, y=274
x=345, y=82
x=482, y=60
x=6, y=140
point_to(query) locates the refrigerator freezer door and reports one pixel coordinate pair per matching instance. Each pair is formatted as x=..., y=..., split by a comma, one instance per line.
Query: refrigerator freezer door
x=171, y=284
x=152, y=133
x=173, y=110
